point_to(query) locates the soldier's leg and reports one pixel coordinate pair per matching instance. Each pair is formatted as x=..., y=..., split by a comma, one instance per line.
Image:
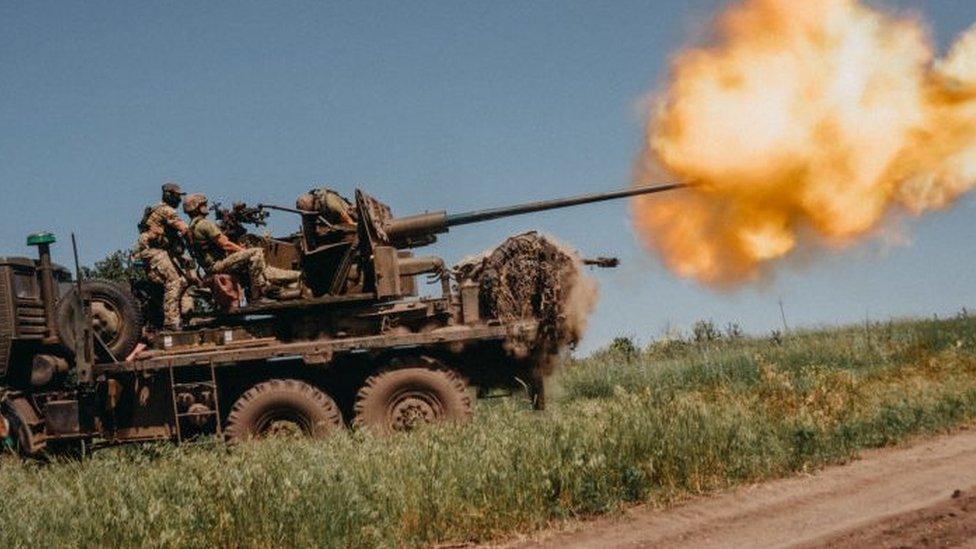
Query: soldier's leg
x=173, y=287
x=248, y=263
x=257, y=266
x=281, y=277
x=172, y=302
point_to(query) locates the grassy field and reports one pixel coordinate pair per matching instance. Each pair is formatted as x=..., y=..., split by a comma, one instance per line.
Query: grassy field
x=628, y=425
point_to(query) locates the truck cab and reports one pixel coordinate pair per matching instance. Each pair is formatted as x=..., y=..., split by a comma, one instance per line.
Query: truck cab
x=27, y=323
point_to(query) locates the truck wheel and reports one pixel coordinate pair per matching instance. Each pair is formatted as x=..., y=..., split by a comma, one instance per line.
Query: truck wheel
x=282, y=406
x=407, y=398
x=115, y=317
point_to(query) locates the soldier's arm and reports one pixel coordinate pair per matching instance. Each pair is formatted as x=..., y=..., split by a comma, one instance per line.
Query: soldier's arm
x=338, y=205
x=228, y=246
x=212, y=232
x=173, y=220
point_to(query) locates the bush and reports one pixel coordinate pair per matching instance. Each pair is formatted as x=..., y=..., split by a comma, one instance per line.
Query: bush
x=624, y=347
x=704, y=331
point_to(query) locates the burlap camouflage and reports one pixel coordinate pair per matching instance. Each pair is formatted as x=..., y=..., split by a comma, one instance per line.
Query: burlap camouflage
x=251, y=263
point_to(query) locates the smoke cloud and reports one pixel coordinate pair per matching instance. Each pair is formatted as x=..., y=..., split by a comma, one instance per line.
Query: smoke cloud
x=803, y=122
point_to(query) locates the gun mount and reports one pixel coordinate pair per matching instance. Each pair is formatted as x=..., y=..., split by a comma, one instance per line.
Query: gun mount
x=233, y=221
x=373, y=257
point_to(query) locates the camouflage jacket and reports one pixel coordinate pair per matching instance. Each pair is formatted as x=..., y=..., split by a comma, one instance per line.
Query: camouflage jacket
x=330, y=205
x=160, y=229
x=204, y=240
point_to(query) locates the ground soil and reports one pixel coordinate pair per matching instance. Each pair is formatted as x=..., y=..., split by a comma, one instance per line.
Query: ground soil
x=922, y=495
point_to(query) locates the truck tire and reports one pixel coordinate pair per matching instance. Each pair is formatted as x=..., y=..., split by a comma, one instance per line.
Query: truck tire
x=405, y=398
x=115, y=316
x=268, y=407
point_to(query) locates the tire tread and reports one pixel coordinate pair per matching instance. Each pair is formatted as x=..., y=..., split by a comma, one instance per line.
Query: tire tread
x=237, y=427
x=377, y=382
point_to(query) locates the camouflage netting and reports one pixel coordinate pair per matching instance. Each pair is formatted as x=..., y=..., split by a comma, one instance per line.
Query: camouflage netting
x=531, y=276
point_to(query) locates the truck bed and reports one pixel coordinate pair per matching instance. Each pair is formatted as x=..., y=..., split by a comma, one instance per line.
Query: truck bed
x=318, y=351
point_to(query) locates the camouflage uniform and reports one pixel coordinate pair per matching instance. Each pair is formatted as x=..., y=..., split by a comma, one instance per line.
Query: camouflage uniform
x=250, y=262
x=329, y=204
x=330, y=216
x=159, y=240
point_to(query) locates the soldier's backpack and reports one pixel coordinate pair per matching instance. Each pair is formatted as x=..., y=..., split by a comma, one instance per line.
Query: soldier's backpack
x=143, y=225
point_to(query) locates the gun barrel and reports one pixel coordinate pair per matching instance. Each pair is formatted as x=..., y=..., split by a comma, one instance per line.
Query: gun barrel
x=439, y=222
x=284, y=209
x=478, y=216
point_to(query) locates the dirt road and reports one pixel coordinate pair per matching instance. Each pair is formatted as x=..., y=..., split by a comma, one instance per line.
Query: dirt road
x=920, y=496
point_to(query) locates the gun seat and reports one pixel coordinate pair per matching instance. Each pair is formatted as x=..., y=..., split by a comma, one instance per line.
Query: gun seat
x=226, y=291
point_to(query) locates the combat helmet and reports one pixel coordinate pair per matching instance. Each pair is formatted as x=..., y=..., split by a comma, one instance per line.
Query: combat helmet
x=193, y=202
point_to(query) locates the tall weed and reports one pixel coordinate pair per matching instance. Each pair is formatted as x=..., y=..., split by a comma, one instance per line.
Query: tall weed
x=631, y=426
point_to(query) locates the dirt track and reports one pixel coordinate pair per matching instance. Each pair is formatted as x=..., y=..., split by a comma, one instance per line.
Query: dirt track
x=919, y=496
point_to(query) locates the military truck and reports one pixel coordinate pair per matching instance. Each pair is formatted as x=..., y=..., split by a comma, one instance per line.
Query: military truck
x=358, y=345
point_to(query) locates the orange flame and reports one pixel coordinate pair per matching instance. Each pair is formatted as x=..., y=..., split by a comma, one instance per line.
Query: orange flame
x=803, y=122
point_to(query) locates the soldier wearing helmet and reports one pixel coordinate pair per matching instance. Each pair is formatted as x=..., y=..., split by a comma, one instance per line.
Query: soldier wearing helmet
x=329, y=205
x=328, y=214
x=160, y=247
x=217, y=254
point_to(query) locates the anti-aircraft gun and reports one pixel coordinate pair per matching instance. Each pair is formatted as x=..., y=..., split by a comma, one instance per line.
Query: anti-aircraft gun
x=374, y=257
x=358, y=347
x=233, y=221
x=359, y=279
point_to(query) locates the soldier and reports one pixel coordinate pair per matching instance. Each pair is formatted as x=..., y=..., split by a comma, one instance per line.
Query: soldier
x=218, y=255
x=330, y=205
x=160, y=247
x=331, y=217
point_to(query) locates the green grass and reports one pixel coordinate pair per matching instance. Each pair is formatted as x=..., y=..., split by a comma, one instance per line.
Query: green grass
x=652, y=426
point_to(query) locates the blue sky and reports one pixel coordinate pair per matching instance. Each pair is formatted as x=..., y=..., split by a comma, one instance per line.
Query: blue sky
x=428, y=105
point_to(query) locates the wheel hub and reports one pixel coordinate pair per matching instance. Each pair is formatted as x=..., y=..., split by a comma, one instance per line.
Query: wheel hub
x=412, y=411
x=281, y=423
x=105, y=320
x=283, y=428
